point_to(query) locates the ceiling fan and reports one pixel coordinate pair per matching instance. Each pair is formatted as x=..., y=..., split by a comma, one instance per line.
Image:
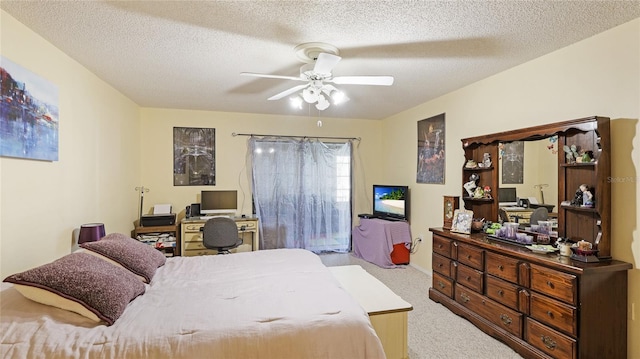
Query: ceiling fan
x=320, y=59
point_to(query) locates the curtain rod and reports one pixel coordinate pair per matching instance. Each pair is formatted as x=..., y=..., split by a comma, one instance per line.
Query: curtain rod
x=317, y=137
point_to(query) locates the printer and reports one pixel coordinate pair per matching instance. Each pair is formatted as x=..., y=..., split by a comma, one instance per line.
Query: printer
x=161, y=216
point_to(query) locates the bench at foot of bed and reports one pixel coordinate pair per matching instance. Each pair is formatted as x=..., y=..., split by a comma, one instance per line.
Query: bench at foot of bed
x=387, y=311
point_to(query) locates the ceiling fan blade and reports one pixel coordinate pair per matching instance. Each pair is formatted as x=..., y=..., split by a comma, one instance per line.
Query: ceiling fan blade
x=325, y=63
x=287, y=92
x=272, y=76
x=363, y=80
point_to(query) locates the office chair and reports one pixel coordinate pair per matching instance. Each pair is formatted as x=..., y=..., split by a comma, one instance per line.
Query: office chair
x=539, y=214
x=221, y=234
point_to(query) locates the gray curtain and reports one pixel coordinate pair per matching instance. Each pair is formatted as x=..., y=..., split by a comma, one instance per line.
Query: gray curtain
x=302, y=193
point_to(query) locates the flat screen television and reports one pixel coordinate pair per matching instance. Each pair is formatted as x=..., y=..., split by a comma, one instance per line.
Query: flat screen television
x=219, y=202
x=391, y=202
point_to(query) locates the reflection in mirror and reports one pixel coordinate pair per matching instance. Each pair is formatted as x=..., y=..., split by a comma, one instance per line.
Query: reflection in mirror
x=531, y=167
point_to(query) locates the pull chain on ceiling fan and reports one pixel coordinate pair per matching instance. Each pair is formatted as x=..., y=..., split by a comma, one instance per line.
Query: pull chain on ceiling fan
x=321, y=58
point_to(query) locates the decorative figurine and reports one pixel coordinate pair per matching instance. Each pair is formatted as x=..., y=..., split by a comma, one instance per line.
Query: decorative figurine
x=471, y=185
x=487, y=192
x=486, y=160
x=577, y=198
x=478, y=193
x=571, y=153
x=471, y=164
x=587, y=196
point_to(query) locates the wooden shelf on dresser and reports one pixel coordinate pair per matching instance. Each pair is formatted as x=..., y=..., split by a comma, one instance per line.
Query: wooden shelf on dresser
x=541, y=305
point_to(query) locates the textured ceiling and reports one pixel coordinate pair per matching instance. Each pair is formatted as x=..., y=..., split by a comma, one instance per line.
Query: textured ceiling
x=189, y=54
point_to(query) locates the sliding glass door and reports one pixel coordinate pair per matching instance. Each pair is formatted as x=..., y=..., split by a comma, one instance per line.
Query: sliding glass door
x=302, y=193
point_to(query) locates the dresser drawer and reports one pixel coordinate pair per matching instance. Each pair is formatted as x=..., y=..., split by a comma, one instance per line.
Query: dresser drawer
x=443, y=284
x=470, y=278
x=471, y=256
x=505, y=318
x=442, y=246
x=246, y=225
x=442, y=265
x=502, y=267
x=556, y=284
x=554, y=313
x=202, y=252
x=550, y=341
x=194, y=245
x=192, y=227
x=503, y=292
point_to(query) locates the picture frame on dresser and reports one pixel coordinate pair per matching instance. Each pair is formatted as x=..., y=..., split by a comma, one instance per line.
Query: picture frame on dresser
x=462, y=219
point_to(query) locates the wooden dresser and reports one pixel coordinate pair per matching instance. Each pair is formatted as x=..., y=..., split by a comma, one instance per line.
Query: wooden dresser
x=541, y=305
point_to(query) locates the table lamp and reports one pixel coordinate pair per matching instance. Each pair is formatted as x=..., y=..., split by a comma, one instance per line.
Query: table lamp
x=91, y=232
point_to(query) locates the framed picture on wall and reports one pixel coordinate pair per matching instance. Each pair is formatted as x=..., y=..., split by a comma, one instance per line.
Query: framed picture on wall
x=28, y=114
x=462, y=219
x=431, y=153
x=194, y=156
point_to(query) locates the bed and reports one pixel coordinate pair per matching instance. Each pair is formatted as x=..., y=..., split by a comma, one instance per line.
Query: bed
x=281, y=303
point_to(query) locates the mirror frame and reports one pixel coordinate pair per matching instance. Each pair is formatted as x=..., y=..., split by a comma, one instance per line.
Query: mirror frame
x=589, y=133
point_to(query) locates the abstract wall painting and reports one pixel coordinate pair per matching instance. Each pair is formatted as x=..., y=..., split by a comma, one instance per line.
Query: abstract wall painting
x=194, y=159
x=431, y=153
x=28, y=114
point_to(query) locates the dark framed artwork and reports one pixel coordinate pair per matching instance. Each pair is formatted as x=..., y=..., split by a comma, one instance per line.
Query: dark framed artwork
x=431, y=154
x=512, y=155
x=28, y=114
x=194, y=156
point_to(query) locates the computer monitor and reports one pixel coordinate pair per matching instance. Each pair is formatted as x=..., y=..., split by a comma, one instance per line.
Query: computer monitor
x=219, y=202
x=507, y=195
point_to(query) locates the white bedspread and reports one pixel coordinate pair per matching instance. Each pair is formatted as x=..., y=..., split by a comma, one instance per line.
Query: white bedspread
x=268, y=304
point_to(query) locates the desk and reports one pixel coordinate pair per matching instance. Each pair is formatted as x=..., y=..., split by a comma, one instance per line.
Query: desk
x=171, y=251
x=191, y=237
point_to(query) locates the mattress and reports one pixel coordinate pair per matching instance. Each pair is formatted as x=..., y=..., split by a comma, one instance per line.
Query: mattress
x=281, y=303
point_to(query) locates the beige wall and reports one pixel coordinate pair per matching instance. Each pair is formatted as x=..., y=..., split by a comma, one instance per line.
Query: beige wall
x=231, y=172
x=598, y=76
x=99, y=154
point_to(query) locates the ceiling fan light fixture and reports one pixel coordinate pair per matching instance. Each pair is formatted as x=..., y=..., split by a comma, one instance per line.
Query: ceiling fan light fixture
x=322, y=104
x=310, y=95
x=339, y=97
x=296, y=102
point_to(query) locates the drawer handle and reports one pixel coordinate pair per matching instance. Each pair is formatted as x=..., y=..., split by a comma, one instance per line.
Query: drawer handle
x=505, y=319
x=441, y=285
x=439, y=265
x=439, y=245
x=468, y=278
x=550, y=284
x=468, y=256
x=465, y=298
x=548, y=342
x=550, y=313
x=501, y=293
x=500, y=267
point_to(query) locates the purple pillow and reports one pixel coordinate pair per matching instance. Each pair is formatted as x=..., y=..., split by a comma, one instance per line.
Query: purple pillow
x=139, y=258
x=81, y=283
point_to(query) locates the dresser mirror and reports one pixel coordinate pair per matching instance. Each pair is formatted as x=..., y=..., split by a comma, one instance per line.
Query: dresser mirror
x=544, y=164
x=531, y=168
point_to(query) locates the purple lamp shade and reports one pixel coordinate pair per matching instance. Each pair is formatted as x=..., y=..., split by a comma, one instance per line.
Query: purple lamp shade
x=91, y=232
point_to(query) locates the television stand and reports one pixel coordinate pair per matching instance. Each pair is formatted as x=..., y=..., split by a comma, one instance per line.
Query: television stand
x=382, y=242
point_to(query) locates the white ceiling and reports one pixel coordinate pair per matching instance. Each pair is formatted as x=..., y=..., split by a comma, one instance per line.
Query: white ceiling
x=189, y=54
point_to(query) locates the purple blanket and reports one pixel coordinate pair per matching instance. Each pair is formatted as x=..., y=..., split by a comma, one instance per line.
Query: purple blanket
x=373, y=240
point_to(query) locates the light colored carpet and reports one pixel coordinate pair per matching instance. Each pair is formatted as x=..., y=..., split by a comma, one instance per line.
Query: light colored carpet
x=434, y=331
